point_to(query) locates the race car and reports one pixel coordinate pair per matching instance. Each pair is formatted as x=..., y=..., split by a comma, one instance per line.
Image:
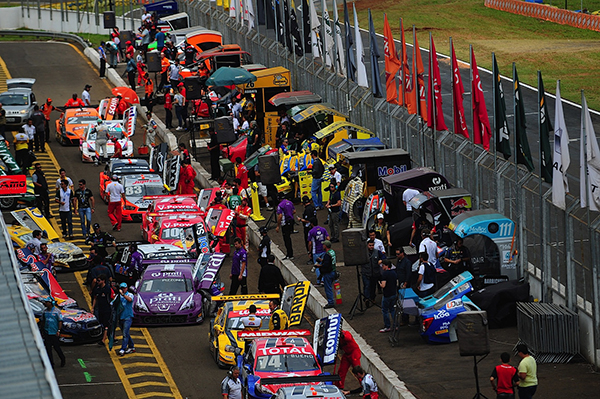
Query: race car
x=175, y=230
x=67, y=256
x=439, y=311
x=224, y=327
x=309, y=392
x=173, y=291
x=165, y=205
x=70, y=126
x=121, y=167
x=87, y=146
x=137, y=186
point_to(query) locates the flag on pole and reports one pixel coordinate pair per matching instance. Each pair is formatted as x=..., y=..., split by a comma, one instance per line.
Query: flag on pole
x=434, y=92
x=458, y=92
x=296, y=36
x=306, y=27
x=315, y=25
x=545, y=129
x=279, y=21
x=590, y=161
x=286, y=25
x=407, y=84
x=270, y=14
x=350, y=55
x=233, y=13
x=249, y=14
x=502, y=132
x=392, y=63
x=562, y=159
x=339, y=58
x=374, y=50
x=361, y=70
x=482, y=132
x=418, y=83
x=523, y=151
x=328, y=48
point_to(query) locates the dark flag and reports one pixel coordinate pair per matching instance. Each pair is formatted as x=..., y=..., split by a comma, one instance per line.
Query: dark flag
x=260, y=11
x=280, y=26
x=270, y=13
x=501, y=125
x=523, y=151
x=375, y=75
x=306, y=27
x=286, y=21
x=545, y=130
x=297, y=41
x=350, y=61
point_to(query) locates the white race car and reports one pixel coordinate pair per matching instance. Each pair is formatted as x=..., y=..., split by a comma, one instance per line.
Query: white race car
x=89, y=152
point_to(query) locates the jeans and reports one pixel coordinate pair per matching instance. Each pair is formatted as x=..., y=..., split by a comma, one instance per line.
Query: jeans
x=102, y=67
x=179, y=114
x=51, y=341
x=287, y=230
x=66, y=221
x=334, y=225
x=85, y=215
x=125, y=325
x=317, y=193
x=387, y=308
x=328, y=279
x=368, y=287
x=527, y=392
x=315, y=261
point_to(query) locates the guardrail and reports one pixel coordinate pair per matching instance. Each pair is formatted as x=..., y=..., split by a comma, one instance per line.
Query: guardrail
x=53, y=35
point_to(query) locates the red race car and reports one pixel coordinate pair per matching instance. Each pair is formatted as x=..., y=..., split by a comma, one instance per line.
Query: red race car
x=121, y=167
x=137, y=187
x=174, y=229
x=166, y=205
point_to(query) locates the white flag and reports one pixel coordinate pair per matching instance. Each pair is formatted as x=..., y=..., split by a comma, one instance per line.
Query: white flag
x=361, y=70
x=590, y=160
x=328, y=49
x=232, y=9
x=315, y=37
x=249, y=14
x=340, y=64
x=561, y=160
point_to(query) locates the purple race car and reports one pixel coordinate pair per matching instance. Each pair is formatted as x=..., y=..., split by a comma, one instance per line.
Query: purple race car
x=174, y=291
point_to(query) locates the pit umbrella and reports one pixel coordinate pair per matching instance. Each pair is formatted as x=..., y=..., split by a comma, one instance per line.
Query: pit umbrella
x=227, y=76
x=127, y=94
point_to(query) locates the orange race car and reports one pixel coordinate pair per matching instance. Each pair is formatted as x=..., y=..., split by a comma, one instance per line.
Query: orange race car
x=167, y=205
x=70, y=127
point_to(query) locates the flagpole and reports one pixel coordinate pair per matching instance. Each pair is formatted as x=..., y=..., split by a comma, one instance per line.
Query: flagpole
x=402, y=48
x=418, y=97
x=433, y=98
x=545, y=288
x=516, y=160
x=494, y=130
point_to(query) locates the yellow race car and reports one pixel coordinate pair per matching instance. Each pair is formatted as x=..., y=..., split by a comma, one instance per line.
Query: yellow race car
x=224, y=327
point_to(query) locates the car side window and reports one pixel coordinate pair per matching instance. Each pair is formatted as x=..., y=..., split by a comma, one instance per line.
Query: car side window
x=32, y=98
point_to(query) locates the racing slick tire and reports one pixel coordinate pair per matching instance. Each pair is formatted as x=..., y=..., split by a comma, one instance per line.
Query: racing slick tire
x=8, y=204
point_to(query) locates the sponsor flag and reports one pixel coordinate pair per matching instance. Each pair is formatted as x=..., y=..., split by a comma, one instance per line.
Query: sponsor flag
x=562, y=159
x=407, y=84
x=261, y=12
x=286, y=24
x=279, y=21
x=296, y=37
x=481, y=122
x=350, y=56
x=392, y=63
x=590, y=161
x=434, y=93
x=501, y=125
x=306, y=26
x=361, y=70
x=339, y=59
x=328, y=41
x=315, y=26
x=233, y=12
x=545, y=129
x=523, y=151
x=375, y=75
x=249, y=14
x=418, y=102
x=458, y=92
x=270, y=14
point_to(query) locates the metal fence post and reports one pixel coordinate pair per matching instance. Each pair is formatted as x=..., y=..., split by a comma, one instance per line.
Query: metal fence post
x=570, y=265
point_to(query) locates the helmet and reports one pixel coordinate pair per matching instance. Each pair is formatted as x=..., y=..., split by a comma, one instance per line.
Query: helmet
x=100, y=120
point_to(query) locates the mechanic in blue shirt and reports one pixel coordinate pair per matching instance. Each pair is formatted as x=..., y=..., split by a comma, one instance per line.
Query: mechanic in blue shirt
x=239, y=270
x=51, y=323
x=125, y=319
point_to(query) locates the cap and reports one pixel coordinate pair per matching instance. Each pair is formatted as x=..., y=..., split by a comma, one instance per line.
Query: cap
x=115, y=177
x=262, y=230
x=253, y=123
x=88, y=86
x=99, y=120
x=123, y=285
x=380, y=216
x=327, y=243
x=305, y=199
x=96, y=225
x=180, y=84
x=48, y=100
x=128, y=42
x=331, y=167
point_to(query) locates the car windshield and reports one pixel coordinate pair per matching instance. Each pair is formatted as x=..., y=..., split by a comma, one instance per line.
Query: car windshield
x=81, y=120
x=139, y=190
x=118, y=133
x=14, y=99
x=450, y=285
x=167, y=255
x=236, y=323
x=32, y=285
x=130, y=169
x=286, y=363
x=167, y=285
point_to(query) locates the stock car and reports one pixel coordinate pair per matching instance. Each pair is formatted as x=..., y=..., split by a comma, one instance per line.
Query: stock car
x=309, y=392
x=168, y=204
x=439, y=310
x=273, y=358
x=137, y=186
x=223, y=336
x=79, y=326
x=87, y=146
x=121, y=167
x=70, y=126
x=172, y=228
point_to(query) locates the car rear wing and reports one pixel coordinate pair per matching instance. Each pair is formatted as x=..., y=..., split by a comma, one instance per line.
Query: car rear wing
x=166, y=196
x=255, y=334
x=251, y=297
x=316, y=379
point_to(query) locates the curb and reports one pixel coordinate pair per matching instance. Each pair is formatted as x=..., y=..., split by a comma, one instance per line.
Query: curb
x=387, y=380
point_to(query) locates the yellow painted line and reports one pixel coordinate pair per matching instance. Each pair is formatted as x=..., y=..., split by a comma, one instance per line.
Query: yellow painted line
x=140, y=364
x=153, y=394
x=150, y=384
x=144, y=374
x=163, y=365
x=138, y=354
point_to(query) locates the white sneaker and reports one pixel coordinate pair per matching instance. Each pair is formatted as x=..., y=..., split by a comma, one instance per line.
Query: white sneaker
x=121, y=352
x=179, y=128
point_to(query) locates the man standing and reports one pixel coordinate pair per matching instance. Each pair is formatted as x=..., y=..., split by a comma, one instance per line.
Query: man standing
x=41, y=190
x=29, y=130
x=309, y=213
x=51, y=325
x=264, y=247
x=39, y=121
x=102, y=54
x=22, y=151
x=429, y=246
x=151, y=128
x=285, y=222
x=458, y=258
x=239, y=270
x=47, y=109
x=252, y=321
x=74, y=102
x=404, y=274
x=214, y=149
x=100, y=240
x=334, y=205
x=350, y=358
x=527, y=373
x=426, y=279
x=62, y=175
x=326, y=265
x=85, y=95
x=164, y=71
x=65, y=197
x=316, y=238
x=231, y=386
x=388, y=283
x=317, y=174
x=116, y=193
x=242, y=213
x=378, y=243
x=370, y=272
x=101, y=299
x=186, y=178
x=101, y=140
x=336, y=177
x=279, y=320
x=270, y=279
x=125, y=319
x=131, y=69
x=407, y=195
x=504, y=378
x=84, y=203
x=46, y=257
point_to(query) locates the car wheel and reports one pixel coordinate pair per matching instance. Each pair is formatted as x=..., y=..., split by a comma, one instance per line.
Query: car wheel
x=8, y=204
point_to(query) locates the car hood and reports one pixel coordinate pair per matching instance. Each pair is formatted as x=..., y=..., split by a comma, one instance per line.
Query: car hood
x=77, y=315
x=67, y=248
x=275, y=387
x=138, y=201
x=14, y=108
x=170, y=302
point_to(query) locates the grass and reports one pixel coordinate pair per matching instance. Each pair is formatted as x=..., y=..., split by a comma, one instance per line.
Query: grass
x=559, y=51
x=92, y=38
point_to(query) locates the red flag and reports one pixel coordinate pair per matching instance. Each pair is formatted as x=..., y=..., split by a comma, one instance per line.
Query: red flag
x=408, y=80
x=417, y=70
x=434, y=92
x=482, y=133
x=458, y=91
x=392, y=63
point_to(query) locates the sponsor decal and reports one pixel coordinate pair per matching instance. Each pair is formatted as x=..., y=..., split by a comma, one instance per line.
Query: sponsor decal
x=300, y=297
x=212, y=270
x=272, y=333
x=112, y=107
x=252, y=297
x=167, y=274
x=13, y=185
x=459, y=203
x=383, y=171
x=165, y=298
x=284, y=350
x=454, y=304
x=326, y=337
x=441, y=314
x=246, y=312
x=82, y=317
x=280, y=80
x=163, y=307
x=440, y=332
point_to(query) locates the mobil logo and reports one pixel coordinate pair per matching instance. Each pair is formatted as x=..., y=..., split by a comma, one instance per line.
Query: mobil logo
x=383, y=171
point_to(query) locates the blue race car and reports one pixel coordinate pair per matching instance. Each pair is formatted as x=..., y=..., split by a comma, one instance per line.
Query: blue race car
x=439, y=311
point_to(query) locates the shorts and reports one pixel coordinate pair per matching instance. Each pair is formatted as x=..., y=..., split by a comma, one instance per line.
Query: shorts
x=262, y=189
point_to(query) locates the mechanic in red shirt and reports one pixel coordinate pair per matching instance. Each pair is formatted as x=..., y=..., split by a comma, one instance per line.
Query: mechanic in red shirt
x=74, y=102
x=118, y=148
x=241, y=173
x=504, y=378
x=350, y=358
x=122, y=107
x=242, y=213
x=129, y=50
x=186, y=178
